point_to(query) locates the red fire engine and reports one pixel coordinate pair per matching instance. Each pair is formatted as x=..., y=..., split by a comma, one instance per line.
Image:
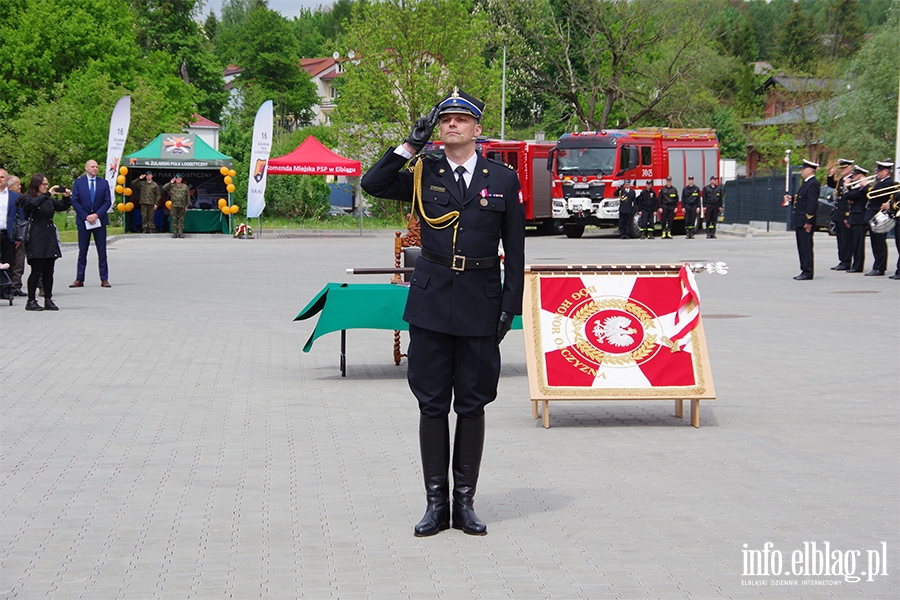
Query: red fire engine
x=529, y=160
x=589, y=167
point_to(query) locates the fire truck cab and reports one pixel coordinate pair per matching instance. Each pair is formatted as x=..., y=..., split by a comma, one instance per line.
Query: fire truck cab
x=589, y=167
x=528, y=160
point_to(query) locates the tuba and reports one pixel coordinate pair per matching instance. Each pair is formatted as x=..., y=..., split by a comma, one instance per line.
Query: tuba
x=882, y=222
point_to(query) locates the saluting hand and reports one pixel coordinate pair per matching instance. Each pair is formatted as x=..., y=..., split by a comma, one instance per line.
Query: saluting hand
x=422, y=129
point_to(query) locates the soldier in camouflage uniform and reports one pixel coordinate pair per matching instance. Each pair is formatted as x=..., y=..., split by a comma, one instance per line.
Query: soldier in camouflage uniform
x=180, y=195
x=148, y=192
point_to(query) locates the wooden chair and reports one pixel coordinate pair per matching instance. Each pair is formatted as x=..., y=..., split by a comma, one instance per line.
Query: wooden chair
x=407, y=248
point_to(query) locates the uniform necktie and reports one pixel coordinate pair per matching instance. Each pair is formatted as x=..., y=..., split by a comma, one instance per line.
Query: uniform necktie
x=92, y=194
x=461, y=181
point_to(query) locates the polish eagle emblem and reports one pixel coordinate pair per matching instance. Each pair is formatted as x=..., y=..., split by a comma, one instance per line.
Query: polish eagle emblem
x=616, y=331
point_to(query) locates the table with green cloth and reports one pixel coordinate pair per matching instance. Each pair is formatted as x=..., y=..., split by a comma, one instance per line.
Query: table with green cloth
x=205, y=221
x=346, y=306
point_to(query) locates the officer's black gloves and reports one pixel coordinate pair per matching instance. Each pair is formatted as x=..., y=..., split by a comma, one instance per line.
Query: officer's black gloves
x=503, y=325
x=421, y=131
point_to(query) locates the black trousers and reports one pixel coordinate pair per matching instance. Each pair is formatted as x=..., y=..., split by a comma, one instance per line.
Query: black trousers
x=712, y=217
x=625, y=224
x=690, y=217
x=844, y=243
x=897, y=243
x=805, y=250
x=879, y=251
x=858, y=247
x=668, y=217
x=445, y=368
x=7, y=249
x=41, y=270
x=646, y=221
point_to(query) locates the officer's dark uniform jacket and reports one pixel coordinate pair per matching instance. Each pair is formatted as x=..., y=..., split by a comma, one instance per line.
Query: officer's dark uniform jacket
x=669, y=197
x=626, y=201
x=647, y=201
x=856, y=204
x=805, y=203
x=467, y=302
x=841, y=210
x=874, y=206
x=690, y=196
x=712, y=196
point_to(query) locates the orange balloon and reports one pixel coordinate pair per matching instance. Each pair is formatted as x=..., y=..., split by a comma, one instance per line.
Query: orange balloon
x=226, y=210
x=227, y=179
x=168, y=204
x=123, y=171
x=129, y=206
x=120, y=207
x=234, y=209
x=232, y=172
x=120, y=179
x=127, y=191
x=119, y=189
x=222, y=202
x=230, y=188
x=224, y=170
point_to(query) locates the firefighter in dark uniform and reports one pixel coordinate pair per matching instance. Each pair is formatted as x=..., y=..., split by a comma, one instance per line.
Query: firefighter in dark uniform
x=840, y=216
x=855, y=196
x=668, y=198
x=884, y=178
x=803, y=216
x=647, y=205
x=712, y=204
x=626, y=210
x=459, y=308
x=690, y=202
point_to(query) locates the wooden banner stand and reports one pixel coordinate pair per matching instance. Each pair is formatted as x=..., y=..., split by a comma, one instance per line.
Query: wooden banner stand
x=601, y=332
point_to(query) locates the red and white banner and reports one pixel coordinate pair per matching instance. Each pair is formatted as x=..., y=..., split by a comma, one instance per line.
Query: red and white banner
x=617, y=331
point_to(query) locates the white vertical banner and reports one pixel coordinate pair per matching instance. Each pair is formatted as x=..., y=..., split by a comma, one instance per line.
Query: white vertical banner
x=259, y=158
x=118, y=133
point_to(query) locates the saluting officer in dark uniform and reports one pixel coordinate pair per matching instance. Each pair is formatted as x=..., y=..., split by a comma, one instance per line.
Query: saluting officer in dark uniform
x=668, y=197
x=855, y=196
x=647, y=205
x=712, y=204
x=626, y=210
x=690, y=202
x=884, y=178
x=459, y=308
x=840, y=216
x=803, y=215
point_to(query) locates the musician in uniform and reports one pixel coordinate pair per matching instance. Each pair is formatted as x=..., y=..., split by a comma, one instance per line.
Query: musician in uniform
x=647, y=205
x=803, y=215
x=690, y=202
x=668, y=198
x=626, y=210
x=459, y=308
x=840, y=216
x=712, y=204
x=855, y=196
x=884, y=178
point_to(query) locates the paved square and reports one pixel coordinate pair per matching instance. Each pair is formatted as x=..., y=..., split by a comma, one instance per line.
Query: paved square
x=167, y=438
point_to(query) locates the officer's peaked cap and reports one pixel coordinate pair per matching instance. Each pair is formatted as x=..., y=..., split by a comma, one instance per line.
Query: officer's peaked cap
x=810, y=164
x=844, y=162
x=860, y=170
x=458, y=101
x=884, y=164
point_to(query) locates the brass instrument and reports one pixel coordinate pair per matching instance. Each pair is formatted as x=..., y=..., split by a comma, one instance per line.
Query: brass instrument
x=887, y=191
x=860, y=183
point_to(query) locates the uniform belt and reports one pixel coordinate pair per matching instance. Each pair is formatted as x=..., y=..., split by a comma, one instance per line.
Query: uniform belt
x=460, y=263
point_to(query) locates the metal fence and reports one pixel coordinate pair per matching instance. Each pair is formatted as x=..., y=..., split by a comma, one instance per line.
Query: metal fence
x=759, y=200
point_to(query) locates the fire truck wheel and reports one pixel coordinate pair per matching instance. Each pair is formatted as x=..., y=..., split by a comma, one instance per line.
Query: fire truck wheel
x=574, y=230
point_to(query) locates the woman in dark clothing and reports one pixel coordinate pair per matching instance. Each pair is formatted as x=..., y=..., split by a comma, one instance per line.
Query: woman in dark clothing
x=42, y=249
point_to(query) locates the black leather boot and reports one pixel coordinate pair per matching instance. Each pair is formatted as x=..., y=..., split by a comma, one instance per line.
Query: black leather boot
x=467, y=448
x=434, y=443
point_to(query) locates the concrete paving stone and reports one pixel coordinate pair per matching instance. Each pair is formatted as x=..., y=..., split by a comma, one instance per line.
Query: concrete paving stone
x=213, y=447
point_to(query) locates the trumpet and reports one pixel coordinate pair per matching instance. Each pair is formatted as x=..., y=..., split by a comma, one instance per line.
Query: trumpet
x=884, y=192
x=860, y=183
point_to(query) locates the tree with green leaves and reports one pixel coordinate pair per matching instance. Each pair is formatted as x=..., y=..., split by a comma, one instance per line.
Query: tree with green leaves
x=603, y=64
x=797, y=42
x=169, y=26
x=865, y=124
x=844, y=31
